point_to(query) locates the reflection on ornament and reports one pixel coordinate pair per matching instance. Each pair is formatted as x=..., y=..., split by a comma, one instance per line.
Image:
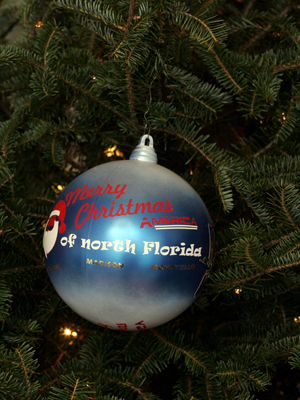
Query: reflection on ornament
x=128, y=244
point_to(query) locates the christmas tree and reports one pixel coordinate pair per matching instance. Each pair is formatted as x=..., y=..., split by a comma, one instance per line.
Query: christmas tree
x=216, y=83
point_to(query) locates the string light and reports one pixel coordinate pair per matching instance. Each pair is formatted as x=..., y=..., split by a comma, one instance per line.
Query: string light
x=94, y=77
x=68, y=332
x=111, y=151
x=119, y=153
x=39, y=24
x=297, y=320
x=58, y=187
x=238, y=290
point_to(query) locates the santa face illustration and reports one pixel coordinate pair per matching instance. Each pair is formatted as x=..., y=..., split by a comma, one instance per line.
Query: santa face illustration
x=55, y=224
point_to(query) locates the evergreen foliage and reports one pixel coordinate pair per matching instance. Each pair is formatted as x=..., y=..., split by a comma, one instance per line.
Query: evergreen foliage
x=217, y=84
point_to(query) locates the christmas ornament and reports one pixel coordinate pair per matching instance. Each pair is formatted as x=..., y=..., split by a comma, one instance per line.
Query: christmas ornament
x=128, y=243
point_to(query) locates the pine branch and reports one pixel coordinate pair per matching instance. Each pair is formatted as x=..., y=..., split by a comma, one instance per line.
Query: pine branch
x=190, y=142
x=21, y=226
x=131, y=13
x=222, y=182
x=192, y=357
x=87, y=93
x=242, y=281
x=106, y=15
x=237, y=87
x=285, y=208
x=201, y=23
x=252, y=42
x=207, y=32
x=292, y=32
x=209, y=6
x=248, y=7
x=286, y=126
x=6, y=176
x=143, y=364
x=130, y=93
x=5, y=301
x=194, y=98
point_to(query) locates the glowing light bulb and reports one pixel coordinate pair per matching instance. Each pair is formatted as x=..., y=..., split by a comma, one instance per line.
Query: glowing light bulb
x=110, y=151
x=238, y=290
x=74, y=334
x=67, y=332
x=119, y=153
x=39, y=24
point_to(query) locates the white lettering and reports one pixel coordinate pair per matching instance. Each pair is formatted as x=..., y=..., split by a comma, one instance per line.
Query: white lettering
x=71, y=240
x=148, y=246
x=182, y=249
x=96, y=244
x=156, y=248
x=129, y=247
x=190, y=250
x=105, y=245
x=86, y=242
x=173, y=250
x=197, y=252
x=118, y=245
x=64, y=241
x=165, y=250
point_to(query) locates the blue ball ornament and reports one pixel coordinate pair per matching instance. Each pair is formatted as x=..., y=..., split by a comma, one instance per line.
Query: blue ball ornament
x=128, y=243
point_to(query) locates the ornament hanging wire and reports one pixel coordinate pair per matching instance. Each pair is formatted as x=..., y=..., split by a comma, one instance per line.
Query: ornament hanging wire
x=150, y=94
x=149, y=105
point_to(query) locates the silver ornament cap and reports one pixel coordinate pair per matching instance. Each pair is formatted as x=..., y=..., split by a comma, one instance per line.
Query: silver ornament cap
x=143, y=151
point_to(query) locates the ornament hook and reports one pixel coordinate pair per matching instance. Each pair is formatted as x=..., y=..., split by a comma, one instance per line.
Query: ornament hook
x=143, y=151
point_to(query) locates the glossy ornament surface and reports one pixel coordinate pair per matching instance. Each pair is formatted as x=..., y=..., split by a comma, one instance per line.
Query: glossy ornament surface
x=128, y=243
